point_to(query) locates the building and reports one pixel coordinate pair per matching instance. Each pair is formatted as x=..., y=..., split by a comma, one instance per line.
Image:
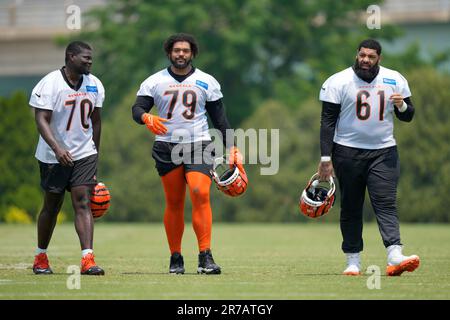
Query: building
x=28, y=29
x=28, y=32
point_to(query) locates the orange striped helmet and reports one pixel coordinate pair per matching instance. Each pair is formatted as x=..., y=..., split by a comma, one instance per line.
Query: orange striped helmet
x=318, y=197
x=100, y=200
x=233, y=182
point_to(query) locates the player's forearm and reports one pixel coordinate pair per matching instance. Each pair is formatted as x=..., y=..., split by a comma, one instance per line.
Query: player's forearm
x=96, y=127
x=329, y=116
x=216, y=112
x=408, y=114
x=43, y=118
x=96, y=133
x=142, y=105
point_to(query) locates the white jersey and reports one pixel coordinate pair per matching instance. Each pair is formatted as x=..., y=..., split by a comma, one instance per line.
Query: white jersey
x=366, y=119
x=182, y=103
x=71, y=124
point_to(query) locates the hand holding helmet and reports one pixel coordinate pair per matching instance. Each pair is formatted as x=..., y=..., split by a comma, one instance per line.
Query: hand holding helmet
x=232, y=181
x=317, y=199
x=236, y=159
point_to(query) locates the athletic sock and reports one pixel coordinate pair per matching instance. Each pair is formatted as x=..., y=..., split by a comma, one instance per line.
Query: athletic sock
x=86, y=251
x=39, y=251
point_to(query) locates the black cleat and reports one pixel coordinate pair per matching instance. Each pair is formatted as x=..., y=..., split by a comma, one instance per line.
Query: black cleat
x=206, y=263
x=89, y=267
x=42, y=271
x=176, y=263
x=94, y=271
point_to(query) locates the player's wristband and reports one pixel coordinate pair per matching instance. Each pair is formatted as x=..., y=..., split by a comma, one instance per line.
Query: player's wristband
x=403, y=107
x=325, y=159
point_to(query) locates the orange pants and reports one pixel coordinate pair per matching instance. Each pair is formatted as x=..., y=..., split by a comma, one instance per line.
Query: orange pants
x=175, y=189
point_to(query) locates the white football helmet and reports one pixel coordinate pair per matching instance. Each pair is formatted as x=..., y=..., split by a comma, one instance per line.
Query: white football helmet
x=318, y=197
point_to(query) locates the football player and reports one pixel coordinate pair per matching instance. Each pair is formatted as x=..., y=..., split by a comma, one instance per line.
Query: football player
x=67, y=104
x=183, y=95
x=356, y=140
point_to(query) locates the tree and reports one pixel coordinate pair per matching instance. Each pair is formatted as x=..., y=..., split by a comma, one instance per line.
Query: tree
x=19, y=184
x=424, y=149
x=271, y=58
x=127, y=168
x=251, y=46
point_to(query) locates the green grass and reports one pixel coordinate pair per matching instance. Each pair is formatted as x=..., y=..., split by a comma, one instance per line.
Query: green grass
x=259, y=261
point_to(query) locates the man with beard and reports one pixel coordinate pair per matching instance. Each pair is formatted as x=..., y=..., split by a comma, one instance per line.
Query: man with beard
x=356, y=139
x=67, y=104
x=183, y=150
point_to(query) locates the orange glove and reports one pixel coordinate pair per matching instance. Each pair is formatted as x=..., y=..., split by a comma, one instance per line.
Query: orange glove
x=154, y=123
x=237, y=159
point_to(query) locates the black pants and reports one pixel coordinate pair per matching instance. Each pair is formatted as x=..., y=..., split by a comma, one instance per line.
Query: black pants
x=379, y=171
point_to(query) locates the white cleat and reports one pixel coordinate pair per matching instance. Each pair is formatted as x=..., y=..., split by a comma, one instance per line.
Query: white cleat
x=398, y=263
x=353, y=265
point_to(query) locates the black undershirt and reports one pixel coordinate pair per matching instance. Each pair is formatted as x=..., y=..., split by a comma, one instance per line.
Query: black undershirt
x=78, y=86
x=180, y=77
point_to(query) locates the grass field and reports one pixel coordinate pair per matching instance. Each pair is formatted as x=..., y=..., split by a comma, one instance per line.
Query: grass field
x=259, y=261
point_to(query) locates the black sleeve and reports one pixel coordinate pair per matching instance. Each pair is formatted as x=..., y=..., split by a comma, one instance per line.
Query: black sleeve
x=143, y=104
x=328, y=119
x=408, y=114
x=216, y=111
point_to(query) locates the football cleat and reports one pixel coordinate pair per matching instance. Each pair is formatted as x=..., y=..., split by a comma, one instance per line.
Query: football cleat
x=176, y=264
x=88, y=266
x=206, y=264
x=353, y=265
x=352, y=270
x=398, y=263
x=40, y=265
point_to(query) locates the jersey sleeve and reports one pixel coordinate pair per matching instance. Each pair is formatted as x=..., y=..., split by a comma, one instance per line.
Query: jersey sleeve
x=329, y=92
x=147, y=88
x=42, y=95
x=213, y=93
x=403, y=87
x=100, y=95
